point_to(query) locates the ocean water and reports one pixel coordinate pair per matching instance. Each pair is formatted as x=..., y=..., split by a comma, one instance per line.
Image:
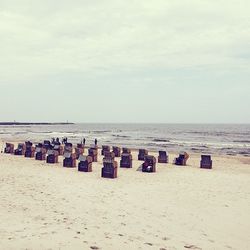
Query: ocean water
x=227, y=139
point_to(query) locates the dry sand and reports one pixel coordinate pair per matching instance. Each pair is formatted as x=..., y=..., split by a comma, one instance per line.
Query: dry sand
x=50, y=207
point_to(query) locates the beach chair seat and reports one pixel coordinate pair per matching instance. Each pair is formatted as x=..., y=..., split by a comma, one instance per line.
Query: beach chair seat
x=59, y=148
x=105, y=149
x=109, y=169
x=68, y=147
x=206, y=162
x=182, y=159
x=126, y=150
x=30, y=150
x=149, y=164
x=69, y=160
x=20, y=149
x=40, y=152
x=85, y=163
x=142, y=154
x=109, y=155
x=79, y=150
x=9, y=148
x=30, y=153
x=163, y=157
x=126, y=160
x=93, y=152
x=117, y=151
x=52, y=156
x=46, y=144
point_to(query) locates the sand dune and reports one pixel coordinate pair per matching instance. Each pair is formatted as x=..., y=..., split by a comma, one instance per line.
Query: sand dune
x=50, y=207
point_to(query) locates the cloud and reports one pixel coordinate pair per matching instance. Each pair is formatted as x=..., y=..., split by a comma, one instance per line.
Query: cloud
x=185, y=48
x=42, y=37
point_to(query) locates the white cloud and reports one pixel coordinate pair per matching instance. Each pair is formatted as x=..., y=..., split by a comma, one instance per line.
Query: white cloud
x=164, y=43
x=42, y=37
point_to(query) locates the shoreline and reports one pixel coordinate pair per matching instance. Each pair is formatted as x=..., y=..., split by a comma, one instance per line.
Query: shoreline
x=223, y=140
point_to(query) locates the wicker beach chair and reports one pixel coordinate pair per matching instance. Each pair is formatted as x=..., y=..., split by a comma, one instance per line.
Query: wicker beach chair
x=79, y=150
x=163, y=157
x=30, y=150
x=182, y=159
x=109, y=155
x=126, y=160
x=149, y=164
x=93, y=152
x=142, y=154
x=126, y=150
x=109, y=169
x=9, y=148
x=52, y=156
x=69, y=157
x=85, y=163
x=46, y=144
x=105, y=149
x=58, y=147
x=40, y=152
x=206, y=162
x=20, y=149
x=117, y=151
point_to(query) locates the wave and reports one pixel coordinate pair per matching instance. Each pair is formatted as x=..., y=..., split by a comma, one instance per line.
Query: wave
x=41, y=132
x=20, y=133
x=231, y=154
x=233, y=139
x=161, y=140
x=242, y=141
x=121, y=136
x=195, y=149
x=247, y=153
x=100, y=131
x=227, y=148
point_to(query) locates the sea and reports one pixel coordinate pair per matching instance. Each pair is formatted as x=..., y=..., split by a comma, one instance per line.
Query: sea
x=225, y=139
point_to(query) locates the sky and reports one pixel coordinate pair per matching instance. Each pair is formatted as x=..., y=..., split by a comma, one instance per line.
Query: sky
x=161, y=61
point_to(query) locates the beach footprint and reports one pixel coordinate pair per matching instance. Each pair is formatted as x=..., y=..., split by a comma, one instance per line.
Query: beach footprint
x=94, y=247
x=192, y=247
x=148, y=243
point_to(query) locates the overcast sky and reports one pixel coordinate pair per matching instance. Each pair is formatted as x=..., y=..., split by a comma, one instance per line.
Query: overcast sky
x=125, y=61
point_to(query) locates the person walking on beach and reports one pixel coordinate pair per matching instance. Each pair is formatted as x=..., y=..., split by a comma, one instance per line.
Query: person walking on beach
x=95, y=141
x=84, y=141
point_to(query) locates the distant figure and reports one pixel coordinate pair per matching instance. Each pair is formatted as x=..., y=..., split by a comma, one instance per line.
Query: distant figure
x=84, y=141
x=57, y=140
x=53, y=141
x=64, y=140
x=95, y=141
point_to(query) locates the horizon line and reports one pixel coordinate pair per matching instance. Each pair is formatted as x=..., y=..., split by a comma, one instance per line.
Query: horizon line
x=70, y=123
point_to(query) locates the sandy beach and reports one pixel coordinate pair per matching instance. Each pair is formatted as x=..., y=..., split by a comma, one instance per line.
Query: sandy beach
x=50, y=207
